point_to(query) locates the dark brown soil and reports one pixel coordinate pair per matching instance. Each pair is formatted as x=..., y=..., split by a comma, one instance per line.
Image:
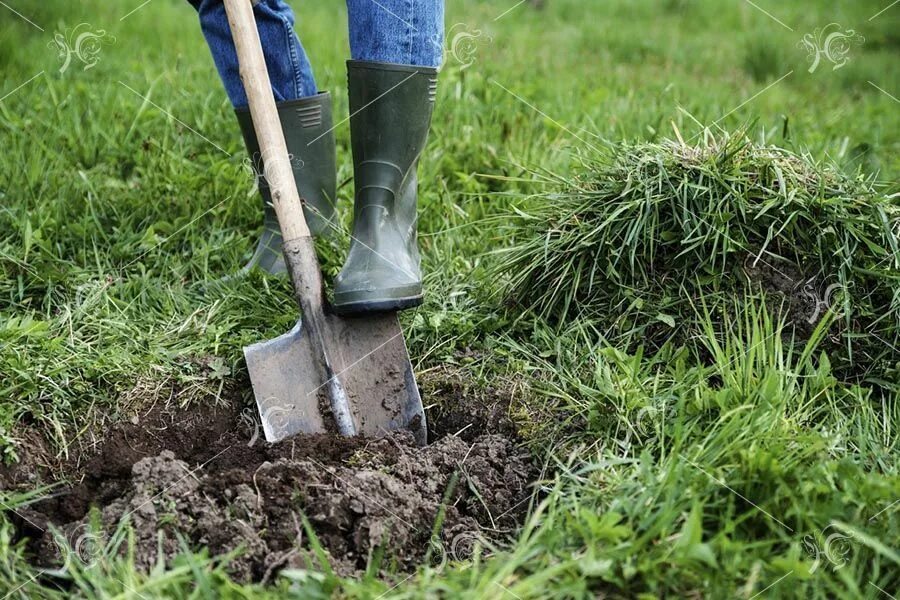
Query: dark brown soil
x=206, y=474
x=803, y=304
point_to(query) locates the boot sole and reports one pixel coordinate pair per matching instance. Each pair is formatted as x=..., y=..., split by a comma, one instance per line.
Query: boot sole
x=363, y=307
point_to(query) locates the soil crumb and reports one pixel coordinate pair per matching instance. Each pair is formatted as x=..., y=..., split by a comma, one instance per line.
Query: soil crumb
x=209, y=479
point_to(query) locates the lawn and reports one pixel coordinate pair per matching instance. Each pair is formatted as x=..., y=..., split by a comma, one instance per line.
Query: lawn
x=661, y=241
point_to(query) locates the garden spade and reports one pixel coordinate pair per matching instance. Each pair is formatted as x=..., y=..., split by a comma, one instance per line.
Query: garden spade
x=349, y=375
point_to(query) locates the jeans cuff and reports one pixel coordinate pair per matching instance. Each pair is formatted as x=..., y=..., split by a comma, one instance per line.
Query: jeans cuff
x=386, y=66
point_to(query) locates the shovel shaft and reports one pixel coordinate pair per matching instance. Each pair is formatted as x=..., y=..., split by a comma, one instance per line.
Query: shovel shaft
x=300, y=257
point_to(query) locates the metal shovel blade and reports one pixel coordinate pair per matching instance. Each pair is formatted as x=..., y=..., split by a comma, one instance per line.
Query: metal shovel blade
x=370, y=360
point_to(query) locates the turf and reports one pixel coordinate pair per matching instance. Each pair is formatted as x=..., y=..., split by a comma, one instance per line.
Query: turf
x=735, y=460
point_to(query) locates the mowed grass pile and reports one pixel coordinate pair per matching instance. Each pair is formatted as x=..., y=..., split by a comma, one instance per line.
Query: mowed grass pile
x=650, y=235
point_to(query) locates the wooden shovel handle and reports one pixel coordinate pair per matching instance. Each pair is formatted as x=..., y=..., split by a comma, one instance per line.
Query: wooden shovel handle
x=273, y=149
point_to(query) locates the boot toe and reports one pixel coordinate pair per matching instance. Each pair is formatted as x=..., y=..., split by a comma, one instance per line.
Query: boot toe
x=375, y=290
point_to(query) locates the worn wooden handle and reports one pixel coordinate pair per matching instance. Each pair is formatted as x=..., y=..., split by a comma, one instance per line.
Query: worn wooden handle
x=276, y=161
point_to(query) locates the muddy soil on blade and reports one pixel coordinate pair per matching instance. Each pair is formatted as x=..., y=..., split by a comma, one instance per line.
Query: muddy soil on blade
x=210, y=478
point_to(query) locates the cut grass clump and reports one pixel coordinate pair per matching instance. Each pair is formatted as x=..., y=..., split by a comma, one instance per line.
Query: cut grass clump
x=649, y=230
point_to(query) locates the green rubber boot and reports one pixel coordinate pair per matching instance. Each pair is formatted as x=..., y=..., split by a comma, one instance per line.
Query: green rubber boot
x=309, y=135
x=390, y=113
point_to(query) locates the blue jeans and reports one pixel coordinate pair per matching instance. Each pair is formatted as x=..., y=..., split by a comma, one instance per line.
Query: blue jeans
x=408, y=32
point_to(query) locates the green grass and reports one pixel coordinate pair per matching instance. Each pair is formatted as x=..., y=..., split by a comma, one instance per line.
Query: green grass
x=716, y=463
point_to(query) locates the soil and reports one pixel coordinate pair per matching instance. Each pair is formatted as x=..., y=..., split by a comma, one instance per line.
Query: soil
x=803, y=303
x=205, y=474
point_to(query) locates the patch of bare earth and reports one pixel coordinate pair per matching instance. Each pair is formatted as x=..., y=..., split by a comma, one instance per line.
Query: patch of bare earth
x=206, y=474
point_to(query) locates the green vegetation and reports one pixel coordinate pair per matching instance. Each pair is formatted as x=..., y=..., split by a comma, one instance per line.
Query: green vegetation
x=597, y=220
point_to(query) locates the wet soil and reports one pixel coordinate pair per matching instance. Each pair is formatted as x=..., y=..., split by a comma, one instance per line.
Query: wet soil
x=205, y=474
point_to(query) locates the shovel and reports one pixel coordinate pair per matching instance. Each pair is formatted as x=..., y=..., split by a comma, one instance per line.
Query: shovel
x=346, y=375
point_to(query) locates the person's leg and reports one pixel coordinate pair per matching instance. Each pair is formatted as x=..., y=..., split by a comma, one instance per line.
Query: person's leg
x=289, y=69
x=397, y=46
x=305, y=117
x=403, y=32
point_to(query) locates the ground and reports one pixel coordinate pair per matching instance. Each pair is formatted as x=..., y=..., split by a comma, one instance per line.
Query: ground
x=664, y=445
